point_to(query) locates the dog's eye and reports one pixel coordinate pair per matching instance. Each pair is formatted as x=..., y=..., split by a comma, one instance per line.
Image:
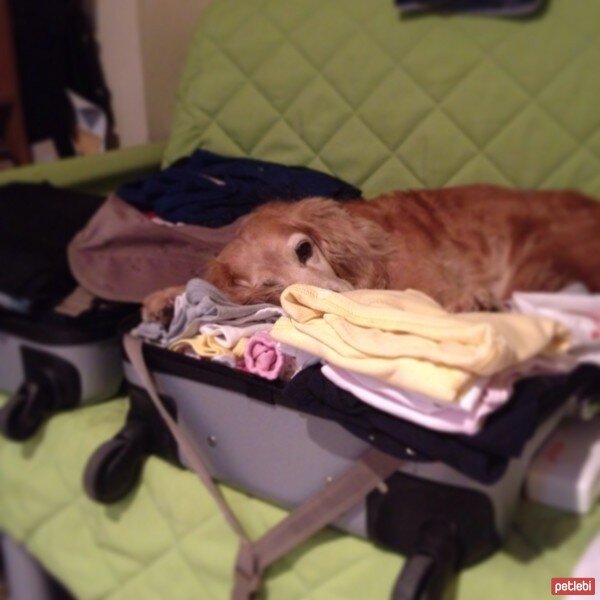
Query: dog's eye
x=304, y=251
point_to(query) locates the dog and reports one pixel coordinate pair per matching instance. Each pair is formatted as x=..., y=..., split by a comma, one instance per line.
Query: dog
x=467, y=247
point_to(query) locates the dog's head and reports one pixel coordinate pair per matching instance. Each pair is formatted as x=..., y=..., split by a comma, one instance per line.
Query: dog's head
x=314, y=241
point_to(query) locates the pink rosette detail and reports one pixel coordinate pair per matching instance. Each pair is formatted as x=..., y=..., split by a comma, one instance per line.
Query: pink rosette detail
x=262, y=356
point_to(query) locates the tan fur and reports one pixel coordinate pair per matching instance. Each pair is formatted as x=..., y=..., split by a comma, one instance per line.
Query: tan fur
x=468, y=247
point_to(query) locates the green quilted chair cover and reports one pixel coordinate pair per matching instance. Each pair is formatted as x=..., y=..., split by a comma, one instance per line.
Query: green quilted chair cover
x=351, y=88
x=167, y=540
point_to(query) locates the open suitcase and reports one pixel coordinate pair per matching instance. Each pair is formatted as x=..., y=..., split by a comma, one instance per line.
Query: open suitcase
x=52, y=358
x=250, y=439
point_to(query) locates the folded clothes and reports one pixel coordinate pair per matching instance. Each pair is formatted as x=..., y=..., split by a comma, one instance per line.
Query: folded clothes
x=575, y=308
x=247, y=347
x=263, y=356
x=406, y=405
x=206, y=346
x=467, y=416
x=502, y=8
x=203, y=303
x=407, y=340
x=299, y=359
x=483, y=456
x=212, y=190
x=229, y=335
x=227, y=360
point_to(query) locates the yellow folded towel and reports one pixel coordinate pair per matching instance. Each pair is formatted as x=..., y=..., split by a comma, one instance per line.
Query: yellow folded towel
x=408, y=340
x=206, y=346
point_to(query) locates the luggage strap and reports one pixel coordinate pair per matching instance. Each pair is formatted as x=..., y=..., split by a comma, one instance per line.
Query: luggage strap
x=76, y=303
x=321, y=509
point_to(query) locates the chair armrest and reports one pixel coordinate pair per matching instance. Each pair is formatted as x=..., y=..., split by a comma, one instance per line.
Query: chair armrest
x=99, y=173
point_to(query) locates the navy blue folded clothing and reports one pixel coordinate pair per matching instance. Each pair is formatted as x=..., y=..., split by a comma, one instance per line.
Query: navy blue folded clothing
x=484, y=456
x=501, y=8
x=212, y=190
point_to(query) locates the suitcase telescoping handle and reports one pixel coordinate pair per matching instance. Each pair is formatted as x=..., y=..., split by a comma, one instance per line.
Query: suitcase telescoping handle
x=368, y=473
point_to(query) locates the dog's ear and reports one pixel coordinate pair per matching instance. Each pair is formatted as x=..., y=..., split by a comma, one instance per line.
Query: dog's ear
x=355, y=247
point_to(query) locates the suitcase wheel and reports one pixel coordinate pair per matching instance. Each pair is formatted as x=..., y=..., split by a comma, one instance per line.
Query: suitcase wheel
x=430, y=572
x=51, y=384
x=114, y=468
x=26, y=411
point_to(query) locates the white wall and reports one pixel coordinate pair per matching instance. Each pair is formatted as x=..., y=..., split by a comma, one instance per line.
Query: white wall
x=118, y=34
x=143, y=45
x=165, y=34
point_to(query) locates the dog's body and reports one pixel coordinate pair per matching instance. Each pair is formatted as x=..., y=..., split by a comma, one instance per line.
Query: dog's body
x=468, y=247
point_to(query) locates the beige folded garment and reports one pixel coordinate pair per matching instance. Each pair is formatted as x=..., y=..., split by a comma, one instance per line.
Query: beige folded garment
x=408, y=340
x=207, y=346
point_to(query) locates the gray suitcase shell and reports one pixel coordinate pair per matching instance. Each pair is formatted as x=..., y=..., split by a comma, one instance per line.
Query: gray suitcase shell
x=54, y=363
x=439, y=518
x=283, y=456
x=253, y=442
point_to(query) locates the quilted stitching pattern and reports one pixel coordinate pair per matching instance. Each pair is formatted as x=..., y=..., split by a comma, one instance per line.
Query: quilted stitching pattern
x=167, y=539
x=385, y=103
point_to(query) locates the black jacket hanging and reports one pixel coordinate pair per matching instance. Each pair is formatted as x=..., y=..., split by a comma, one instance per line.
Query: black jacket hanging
x=56, y=51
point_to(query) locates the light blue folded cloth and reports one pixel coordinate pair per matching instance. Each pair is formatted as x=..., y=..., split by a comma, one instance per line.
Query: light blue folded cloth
x=203, y=303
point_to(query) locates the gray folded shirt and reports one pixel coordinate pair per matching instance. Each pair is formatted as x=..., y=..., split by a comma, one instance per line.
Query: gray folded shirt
x=203, y=303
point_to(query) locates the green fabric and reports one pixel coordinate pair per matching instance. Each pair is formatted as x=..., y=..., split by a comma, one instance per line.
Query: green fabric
x=99, y=173
x=168, y=540
x=350, y=88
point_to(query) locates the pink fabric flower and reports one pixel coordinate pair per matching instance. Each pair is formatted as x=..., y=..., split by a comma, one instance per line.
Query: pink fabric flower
x=262, y=356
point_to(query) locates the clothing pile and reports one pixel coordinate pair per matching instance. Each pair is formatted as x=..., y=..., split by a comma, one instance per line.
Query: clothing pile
x=164, y=228
x=213, y=190
x=207, y=325
x=396, y=369
x=468, y=389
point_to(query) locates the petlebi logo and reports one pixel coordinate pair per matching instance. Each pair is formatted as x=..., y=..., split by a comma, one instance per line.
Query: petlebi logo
x=573, y=586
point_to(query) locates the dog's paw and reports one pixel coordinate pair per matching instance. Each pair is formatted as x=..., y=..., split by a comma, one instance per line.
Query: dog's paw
x=158, y=306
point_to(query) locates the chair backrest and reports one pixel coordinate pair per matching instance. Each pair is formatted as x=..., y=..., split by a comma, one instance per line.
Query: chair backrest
x=351, y=88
